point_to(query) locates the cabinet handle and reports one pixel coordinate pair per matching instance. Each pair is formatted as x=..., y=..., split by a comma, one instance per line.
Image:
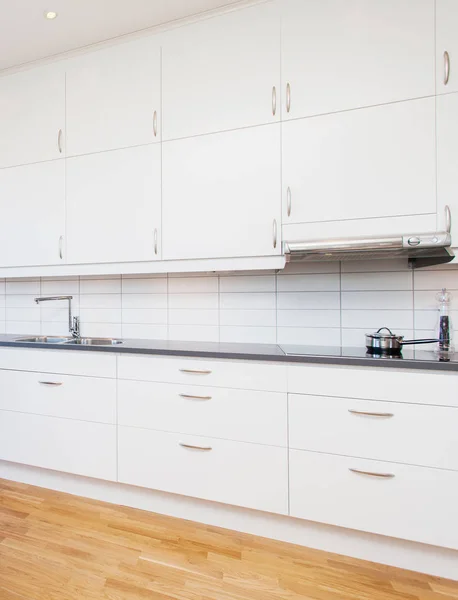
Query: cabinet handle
x=288, y=201
x=61, y=243
x=189, y=397
x=203, y=448
x=372, y=474
x=274, y=233
x=59, y=141
x=370, y=414
x=195, y=372
x=53, y=383
x=155, y=241
x=448, y=219
x=446, y=67
x=288, y=97
x=155, y=123
x=274, y=101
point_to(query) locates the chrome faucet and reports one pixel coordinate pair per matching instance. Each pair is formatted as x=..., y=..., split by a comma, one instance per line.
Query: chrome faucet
x=73, y=322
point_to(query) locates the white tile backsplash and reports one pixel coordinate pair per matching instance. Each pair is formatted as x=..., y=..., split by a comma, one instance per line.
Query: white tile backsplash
x=308, y=303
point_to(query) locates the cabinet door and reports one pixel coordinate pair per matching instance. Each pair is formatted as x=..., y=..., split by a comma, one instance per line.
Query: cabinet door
x=340, y=55
x=32, y=205
x=32, y=115
x=220, y=74
x=446, y=46
x=221, y=194
x=113, y=98
x=114, y=206
x=447, y=161
x=375, y=162
x=77, y=447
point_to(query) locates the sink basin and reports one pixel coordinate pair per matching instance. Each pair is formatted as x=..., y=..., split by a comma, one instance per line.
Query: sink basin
x=44, y=339
x=95, y=342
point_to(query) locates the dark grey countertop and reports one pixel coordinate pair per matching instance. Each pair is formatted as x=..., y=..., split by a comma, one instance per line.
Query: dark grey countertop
x=411, y=358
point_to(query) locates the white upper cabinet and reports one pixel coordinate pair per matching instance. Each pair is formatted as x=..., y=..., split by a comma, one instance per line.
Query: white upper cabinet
x=32, y=115
x=222, y=73
x=32, y=205
x=446, y=46
x=114, y=97
x=344, y=54
x=114, y=206
x=447, y=161
x=374, y=162
x=222, y=194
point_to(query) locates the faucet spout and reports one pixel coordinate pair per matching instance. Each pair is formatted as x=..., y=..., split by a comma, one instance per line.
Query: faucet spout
x=73, y=322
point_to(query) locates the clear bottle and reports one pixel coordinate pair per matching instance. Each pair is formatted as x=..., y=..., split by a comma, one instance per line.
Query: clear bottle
x=444, y=328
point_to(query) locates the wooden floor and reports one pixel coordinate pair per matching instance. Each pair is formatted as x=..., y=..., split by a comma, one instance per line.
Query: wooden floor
x=55, y=546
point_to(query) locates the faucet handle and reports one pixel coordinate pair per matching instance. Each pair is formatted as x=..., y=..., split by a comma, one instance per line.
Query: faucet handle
x=75, y=330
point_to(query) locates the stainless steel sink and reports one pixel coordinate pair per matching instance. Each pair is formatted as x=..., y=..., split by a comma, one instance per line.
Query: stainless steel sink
x=44, y=339
x=95, y=342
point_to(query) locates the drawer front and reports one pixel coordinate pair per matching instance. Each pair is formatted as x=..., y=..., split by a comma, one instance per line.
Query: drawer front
x=245, y=375
x=67, y=396
x=76, y=447
x=408, y=433
x=417, y=504
x=243, y=415
x=237, y=473
x=416, y=387
x=70, y=362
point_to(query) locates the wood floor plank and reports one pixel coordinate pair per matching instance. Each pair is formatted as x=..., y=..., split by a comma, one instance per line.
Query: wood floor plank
x=55, y=546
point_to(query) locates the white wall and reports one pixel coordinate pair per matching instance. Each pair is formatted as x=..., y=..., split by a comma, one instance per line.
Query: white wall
x=318, y=303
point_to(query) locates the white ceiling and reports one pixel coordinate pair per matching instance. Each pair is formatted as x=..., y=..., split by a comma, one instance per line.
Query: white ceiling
x=25, y=35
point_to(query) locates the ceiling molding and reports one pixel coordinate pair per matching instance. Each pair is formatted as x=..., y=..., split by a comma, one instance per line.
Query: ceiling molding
x=148, y=31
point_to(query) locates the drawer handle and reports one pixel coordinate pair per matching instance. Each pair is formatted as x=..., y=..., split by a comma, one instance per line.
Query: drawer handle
x=274, y=101
x=370, y=414
x=372, y=474
x=51, y=383
x=195, y=397
x=288, y=97
x=203, y=448
x=195, y=371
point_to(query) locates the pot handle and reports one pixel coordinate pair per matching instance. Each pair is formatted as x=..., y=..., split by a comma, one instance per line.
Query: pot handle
x=409, y=342
x=387, y=328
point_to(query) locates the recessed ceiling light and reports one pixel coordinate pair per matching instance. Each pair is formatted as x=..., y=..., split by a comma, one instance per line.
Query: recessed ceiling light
x=50, y=14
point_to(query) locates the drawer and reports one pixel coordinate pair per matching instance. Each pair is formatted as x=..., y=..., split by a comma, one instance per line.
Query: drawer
x=408, y=433
x=67, y=396
x=237, y=473
x=417, y=504
x=245, y=375
x=60, y=444
x=243, y=415
x=70, y=362
x=397, y=385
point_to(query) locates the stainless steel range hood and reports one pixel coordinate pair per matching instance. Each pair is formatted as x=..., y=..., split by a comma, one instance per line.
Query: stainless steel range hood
x=422, y=249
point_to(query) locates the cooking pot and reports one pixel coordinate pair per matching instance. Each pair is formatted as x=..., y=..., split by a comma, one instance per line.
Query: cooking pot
x=384, y=341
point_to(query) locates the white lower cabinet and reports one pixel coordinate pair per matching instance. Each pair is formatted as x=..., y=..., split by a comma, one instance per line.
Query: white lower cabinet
x=248, y=475
x=83, y=398
x=243, y=415
x=77, y=447
x=235, y=374
x=396, y=500
x=400, y=432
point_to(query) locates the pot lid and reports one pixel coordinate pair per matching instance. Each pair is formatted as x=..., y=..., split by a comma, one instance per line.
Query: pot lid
x=383, y=333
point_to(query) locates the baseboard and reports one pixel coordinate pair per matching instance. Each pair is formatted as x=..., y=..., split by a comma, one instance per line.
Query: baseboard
x=436, y=561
